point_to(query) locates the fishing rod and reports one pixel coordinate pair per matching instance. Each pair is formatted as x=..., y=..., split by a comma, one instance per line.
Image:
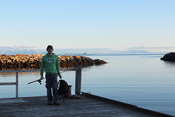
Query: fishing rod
x=39, y=80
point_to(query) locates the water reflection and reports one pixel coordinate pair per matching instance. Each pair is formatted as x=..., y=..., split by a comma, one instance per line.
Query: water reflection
x=169, y=64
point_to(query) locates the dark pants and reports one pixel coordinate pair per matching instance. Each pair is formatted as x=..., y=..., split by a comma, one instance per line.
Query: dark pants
x=51, y=85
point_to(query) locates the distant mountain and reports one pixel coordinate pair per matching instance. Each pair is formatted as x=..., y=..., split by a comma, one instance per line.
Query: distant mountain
x=19, y=50
x=154, y=49
x=84, y=51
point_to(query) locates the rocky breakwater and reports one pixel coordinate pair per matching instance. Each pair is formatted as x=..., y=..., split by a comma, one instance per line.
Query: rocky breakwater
x=33, y=61
x=169, y=57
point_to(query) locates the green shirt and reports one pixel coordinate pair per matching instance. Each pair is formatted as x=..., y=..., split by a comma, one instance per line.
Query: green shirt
x=50, y=64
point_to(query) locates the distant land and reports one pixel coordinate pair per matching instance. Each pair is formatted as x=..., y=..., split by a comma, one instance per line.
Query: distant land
x=87, y=51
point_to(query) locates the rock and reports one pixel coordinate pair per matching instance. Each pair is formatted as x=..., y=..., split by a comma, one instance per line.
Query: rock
x=169, y=57
x=22, y=61
x=99, y=62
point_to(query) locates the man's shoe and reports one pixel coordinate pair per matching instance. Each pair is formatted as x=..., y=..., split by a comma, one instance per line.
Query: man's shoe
x=56, y=103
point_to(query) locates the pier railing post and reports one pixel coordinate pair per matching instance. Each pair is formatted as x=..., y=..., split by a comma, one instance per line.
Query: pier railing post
x=16, y=84
x=78, y=82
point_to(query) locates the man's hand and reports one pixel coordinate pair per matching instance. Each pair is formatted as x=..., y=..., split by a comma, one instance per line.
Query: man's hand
x=60, y=75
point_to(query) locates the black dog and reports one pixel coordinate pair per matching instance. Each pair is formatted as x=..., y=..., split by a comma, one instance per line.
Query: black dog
x=62, y=90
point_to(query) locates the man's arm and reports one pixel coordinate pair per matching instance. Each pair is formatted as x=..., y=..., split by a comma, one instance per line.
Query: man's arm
x=58, y=67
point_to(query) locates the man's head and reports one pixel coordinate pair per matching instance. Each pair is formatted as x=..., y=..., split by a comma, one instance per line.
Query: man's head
x=49, y=49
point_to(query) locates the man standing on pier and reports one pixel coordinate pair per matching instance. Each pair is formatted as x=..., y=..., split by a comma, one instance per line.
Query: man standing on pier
x=50, y=63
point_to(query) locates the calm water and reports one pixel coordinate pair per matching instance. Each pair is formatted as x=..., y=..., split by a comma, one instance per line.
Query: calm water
x=142, y=80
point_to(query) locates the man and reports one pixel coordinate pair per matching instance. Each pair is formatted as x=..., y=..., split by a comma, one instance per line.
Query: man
x=50, y=63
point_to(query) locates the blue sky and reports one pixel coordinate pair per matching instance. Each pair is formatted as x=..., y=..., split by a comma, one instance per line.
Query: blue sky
x=116, y=24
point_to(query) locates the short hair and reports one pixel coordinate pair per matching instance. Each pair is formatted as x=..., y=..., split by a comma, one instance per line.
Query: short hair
x=49, y=47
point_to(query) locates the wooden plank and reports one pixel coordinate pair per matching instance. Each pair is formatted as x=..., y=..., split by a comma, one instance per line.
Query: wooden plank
x=78, y=82
x=17, y=84
x=8, y=83
x=37, y=70
x=19, y=70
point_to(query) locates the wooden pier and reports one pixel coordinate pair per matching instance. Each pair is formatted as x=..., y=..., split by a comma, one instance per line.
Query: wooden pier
x=87, y=106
